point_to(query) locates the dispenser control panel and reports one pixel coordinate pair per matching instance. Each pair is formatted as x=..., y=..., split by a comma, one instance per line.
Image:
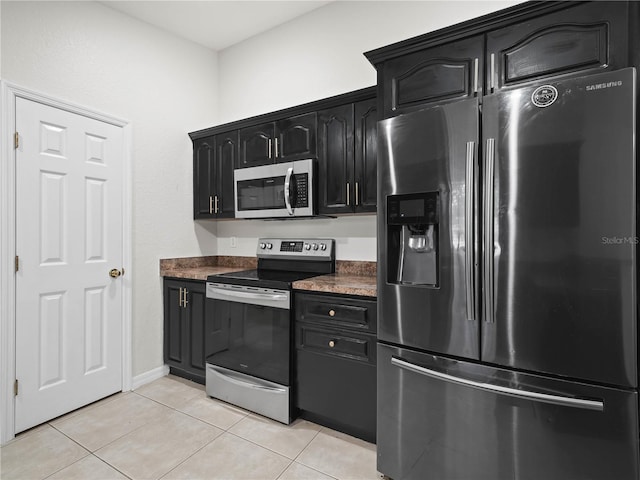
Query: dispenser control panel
x=413, y=208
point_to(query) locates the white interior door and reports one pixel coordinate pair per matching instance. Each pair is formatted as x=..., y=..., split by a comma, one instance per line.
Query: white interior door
x=69, y=181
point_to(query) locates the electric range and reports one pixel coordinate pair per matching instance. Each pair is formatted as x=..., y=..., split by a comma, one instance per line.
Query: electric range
x=249, y=326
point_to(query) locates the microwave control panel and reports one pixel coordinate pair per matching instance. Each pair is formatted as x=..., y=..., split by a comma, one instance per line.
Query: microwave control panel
x=301, y=194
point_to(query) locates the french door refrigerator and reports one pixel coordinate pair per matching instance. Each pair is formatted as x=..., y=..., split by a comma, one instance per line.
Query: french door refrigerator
x=507, y=294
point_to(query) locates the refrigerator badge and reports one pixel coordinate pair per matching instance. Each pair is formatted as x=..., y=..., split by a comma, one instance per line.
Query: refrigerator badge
x=544, y=96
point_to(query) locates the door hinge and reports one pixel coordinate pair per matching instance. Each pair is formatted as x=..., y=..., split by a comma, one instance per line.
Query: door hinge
x=15, y=388
x=17, y=263
x=16, y=140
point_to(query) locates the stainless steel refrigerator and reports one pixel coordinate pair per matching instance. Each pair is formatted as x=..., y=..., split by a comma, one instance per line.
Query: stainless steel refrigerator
x=507, y=291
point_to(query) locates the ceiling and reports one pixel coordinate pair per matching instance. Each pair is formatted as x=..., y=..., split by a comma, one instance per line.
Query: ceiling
x=215, y=24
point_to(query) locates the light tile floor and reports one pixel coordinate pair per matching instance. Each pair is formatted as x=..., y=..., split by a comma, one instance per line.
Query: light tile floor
x=171, y=429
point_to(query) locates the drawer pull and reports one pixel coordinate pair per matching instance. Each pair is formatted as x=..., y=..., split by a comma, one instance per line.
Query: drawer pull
x=332, y=313
x=332, y=343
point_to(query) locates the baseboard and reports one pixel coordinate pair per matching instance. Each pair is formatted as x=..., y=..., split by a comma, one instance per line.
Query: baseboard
x=149, y=376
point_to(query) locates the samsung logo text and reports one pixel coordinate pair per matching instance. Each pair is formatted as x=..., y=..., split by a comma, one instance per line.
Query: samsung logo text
x=600, y=86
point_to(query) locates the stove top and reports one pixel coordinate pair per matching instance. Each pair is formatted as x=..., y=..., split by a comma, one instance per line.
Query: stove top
x=284, y=261
x=263, y=278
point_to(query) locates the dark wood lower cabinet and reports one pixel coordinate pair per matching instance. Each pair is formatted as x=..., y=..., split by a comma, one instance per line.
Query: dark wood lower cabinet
x=335, y=362
x=184, y=323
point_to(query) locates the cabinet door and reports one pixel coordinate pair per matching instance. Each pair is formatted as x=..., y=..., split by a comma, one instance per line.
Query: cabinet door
x=227, y=151
x=336, y=379
x=366, y=155
x=194, y=362
x=335, y=163
x=184, y=317
x=434, y=75
x=256, y=146
x=203, y=177
x=174, y=353
x=296, y=138
x=587, y=37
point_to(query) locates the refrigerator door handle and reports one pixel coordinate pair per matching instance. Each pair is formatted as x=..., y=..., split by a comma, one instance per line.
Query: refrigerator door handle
x=469, y=237
x=512, y=392
x=488, y=249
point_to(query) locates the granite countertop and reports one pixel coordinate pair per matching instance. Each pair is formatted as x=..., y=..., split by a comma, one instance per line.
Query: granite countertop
x=351, y=277
x=199, y=268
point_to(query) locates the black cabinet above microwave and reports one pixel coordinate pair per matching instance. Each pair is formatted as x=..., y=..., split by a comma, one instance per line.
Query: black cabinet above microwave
x=286, y=140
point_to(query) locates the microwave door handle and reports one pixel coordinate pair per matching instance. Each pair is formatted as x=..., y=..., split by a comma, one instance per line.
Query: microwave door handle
x=287, y=187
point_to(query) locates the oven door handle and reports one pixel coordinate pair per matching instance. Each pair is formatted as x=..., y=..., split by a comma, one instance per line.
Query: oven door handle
x=287, y=190
x=277, y=300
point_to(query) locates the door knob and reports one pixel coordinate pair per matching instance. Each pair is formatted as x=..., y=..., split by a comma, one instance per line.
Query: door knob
x=115, y=273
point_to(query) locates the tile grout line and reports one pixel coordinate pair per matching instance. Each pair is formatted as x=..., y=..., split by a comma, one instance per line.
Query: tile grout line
x=188, y=457
x=89, y=453
x=247, y=415
x=192, y=416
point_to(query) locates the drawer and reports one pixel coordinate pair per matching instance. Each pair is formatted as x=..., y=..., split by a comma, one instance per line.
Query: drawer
x=337, y=311
x=334, y=342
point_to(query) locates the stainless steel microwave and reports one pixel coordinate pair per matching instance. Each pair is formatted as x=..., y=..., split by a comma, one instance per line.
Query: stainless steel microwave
x=279, y=190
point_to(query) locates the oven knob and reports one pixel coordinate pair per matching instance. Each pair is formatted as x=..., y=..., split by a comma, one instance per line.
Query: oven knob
x=263, y=246
x=269, y=246
x=307, y=246
x=323, y=247
x=315, y=246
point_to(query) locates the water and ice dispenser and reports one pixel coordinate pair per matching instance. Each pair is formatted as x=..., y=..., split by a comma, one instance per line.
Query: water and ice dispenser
x=412, y=237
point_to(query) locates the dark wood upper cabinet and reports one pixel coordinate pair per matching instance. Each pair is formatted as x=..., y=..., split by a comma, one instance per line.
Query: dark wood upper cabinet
x=584, y=38
x=366, y=155
x=281, y=141
x=227, y=153
x=203, y=176
x=335, y=162
x=532, y=41
x=296, y=138
x=443, y=73
x=256, y=146
x=347, y=138
x=214, y=158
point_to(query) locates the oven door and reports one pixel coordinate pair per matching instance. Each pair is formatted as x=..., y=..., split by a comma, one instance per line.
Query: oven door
x=249, y=331
x=278, y=190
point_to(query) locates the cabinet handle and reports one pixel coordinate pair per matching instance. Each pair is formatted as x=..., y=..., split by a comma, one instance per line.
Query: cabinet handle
x=357, y=201
x=348, y=202
x=332, y=343
x=216, y=205
x=210, y=204
x=475, y=75
x=269, y=148
x=332, y=313
x=180, y=299
x=277, y=148
x=493, y=70
x=184, y=300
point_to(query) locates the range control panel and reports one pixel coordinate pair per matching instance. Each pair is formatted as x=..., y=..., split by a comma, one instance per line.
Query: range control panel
x=320, y=248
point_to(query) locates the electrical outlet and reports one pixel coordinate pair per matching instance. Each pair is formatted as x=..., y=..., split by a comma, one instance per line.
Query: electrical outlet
x=233, y=242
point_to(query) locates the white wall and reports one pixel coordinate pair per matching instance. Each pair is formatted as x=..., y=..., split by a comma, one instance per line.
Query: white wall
x=315, y=56
x=89, y=54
